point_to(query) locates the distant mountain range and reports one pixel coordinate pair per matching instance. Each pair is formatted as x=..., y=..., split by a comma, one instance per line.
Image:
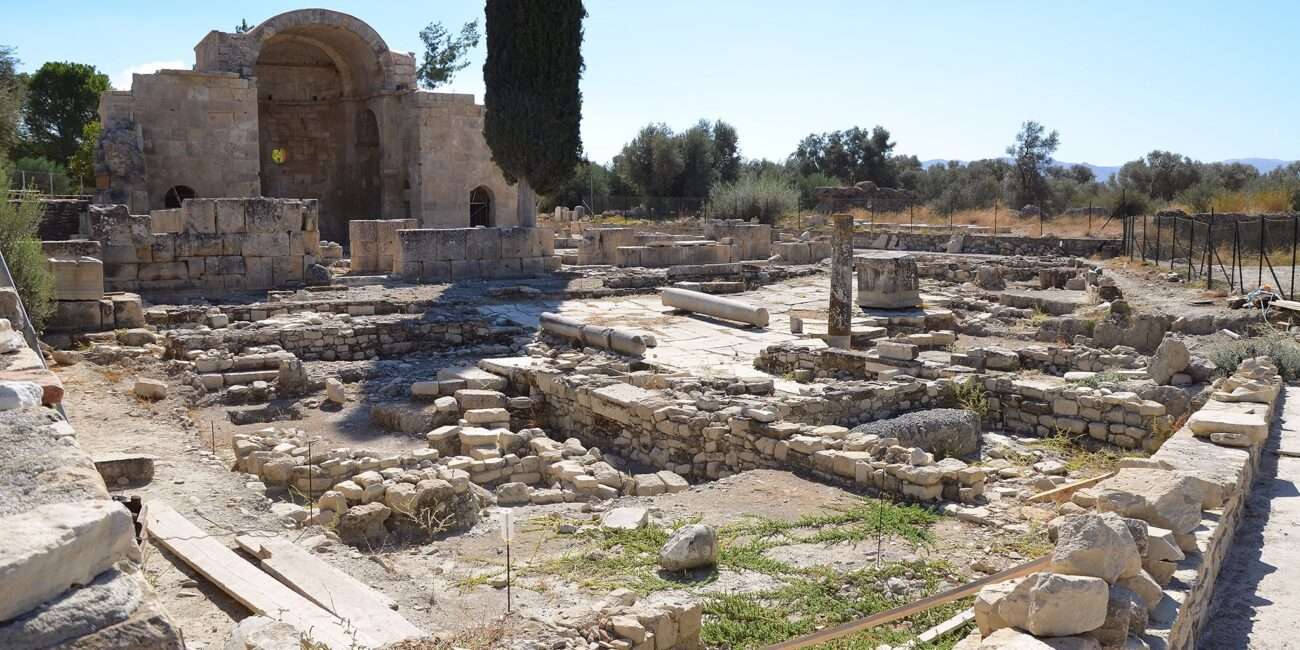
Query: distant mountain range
x=1104, y=172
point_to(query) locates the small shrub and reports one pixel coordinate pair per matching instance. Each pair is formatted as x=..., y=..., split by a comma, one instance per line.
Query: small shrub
x=765, y=196
x=1283, y=349
x=21, y=246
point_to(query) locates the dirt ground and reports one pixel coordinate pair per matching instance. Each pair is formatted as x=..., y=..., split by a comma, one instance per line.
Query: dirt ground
x=457, y=583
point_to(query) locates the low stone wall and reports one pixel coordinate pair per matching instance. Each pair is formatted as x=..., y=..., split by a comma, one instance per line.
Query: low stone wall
x=802, y=252
x=71, y=563
x=1137, y=555
x=374, y=244
x=330, y=337
x=1038, y=406
x=991, y=245
x=725, y=432
x=751, y=241
x=222, y=245
x=453, y=254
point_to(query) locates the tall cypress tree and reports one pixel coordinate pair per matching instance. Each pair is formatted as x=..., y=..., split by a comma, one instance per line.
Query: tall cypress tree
x=534, y=105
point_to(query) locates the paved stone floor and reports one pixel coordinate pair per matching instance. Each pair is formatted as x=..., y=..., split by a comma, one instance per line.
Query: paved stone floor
x=699, y=344
x=1257, y=598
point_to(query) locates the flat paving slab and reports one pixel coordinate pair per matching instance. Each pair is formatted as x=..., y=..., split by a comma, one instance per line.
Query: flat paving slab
x=1257, y=596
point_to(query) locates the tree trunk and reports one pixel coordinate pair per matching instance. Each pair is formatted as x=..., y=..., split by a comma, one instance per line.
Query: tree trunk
x=527, y=209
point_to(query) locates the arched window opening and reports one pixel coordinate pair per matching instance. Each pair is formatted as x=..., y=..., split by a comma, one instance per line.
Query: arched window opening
x=480, y=207
x=177, y=194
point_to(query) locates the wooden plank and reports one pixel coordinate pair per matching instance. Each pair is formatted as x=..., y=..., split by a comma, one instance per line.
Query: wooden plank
x=257, y=591
x=903, y=611
x=1289, y=305
x=1069, y=487
x=366, y=609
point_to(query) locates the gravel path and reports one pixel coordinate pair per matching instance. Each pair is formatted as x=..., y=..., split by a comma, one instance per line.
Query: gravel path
x=1258, y=593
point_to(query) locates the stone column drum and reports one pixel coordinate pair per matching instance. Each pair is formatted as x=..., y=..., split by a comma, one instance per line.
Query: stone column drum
x=840, y=315
x=887, y=280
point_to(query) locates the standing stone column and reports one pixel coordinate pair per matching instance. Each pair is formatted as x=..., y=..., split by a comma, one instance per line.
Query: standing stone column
x=840, y=322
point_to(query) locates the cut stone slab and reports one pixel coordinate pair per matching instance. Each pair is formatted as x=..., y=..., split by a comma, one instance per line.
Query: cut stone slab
x=1246, y=418
x=626, y=518
x=1164, y=498
x=56, y=546
x=1061, y=605
x=150, y=389
x=473, y=377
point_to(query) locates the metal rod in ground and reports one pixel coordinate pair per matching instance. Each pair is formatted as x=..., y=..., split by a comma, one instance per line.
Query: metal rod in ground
x=509, y=603
x=1205, y=258
x=1191, y=248
x=1144, y=238
x=880, y=528
x=1295, y=234
x=213, y=427
x=1159, y=223
x=1260, y=281
x=1173, y=246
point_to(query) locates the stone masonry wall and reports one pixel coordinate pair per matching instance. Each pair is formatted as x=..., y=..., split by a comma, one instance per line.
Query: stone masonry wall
x=72, y=565
x=451, y=254
x=991, y=245
x=719, y=435
x=223, y=245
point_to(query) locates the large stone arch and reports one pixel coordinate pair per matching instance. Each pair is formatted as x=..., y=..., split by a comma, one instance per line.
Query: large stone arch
x=321, y=76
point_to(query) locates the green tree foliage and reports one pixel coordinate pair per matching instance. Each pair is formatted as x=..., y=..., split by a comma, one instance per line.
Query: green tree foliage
x=82, y=164
x=763, y=196
x=661, y=163
x=61, y=99
x=11, y=100
x=21, y=246
x=1161, y=174
x=1031, y=156
x=726, y=151
x=445, y=55
x=851, y=156
x=591, y=185
x=243, y=27
x=532, y=101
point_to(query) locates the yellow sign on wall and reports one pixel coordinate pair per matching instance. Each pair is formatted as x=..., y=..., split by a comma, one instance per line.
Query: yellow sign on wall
x=279, y=155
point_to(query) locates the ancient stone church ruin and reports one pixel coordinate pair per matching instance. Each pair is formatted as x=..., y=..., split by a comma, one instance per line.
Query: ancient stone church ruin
x=308, y=386
x=309, y=104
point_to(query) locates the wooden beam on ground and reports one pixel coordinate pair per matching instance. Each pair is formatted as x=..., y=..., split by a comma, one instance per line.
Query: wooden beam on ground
x=351, y=600
x=257, y=591
x=903, y=611
x=1069, y=488
x=1289, y=305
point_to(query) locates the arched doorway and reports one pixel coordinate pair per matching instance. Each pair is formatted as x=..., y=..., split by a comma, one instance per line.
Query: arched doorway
x=176, y=195
x=480, y=207
x=368, y=190
x=318, y=138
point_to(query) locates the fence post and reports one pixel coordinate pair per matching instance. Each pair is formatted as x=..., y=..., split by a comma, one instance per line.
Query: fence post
x=1260, y=281
x=1144, y=238
x=1295, y=230
x=995, y=216
x=1191, y=248
x=1209, y=250
x=1159, y=223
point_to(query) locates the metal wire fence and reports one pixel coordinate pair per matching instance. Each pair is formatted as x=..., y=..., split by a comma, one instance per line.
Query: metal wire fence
x=1234, y=252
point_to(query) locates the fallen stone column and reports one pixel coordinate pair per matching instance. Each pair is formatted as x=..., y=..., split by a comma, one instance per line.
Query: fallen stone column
x=607, y=338
x=718, y=307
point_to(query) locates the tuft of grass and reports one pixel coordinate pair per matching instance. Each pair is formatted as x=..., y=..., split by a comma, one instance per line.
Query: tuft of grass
x=1030, y=544
x=865, y=519
x=971, y=396
x=1038, y=317
x=1079, y=458
x=825, y=598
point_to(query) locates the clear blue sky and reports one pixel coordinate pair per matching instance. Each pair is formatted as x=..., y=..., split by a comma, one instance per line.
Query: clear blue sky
x=949, y=79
